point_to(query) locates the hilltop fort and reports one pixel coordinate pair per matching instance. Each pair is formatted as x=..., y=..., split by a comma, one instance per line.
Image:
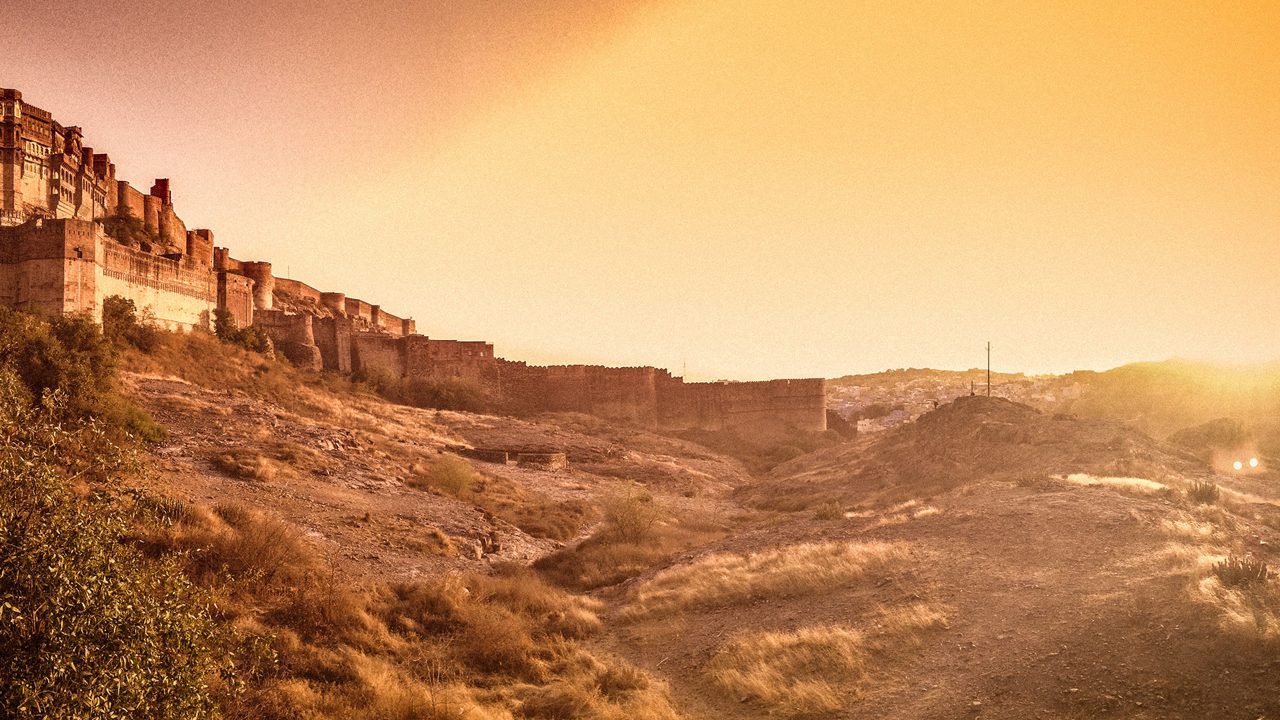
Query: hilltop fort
x=73, y=234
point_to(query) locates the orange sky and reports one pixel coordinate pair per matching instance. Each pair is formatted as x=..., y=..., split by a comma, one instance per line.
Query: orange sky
x=753, y=188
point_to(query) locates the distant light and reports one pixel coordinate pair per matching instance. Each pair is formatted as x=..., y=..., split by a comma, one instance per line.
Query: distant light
x=1253, y=462
x=1238, y=465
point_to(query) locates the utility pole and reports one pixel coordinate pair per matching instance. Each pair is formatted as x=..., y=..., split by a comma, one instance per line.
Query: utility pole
x=988, y=368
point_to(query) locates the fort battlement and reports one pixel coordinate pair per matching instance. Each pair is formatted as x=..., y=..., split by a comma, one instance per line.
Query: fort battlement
x=72, y=234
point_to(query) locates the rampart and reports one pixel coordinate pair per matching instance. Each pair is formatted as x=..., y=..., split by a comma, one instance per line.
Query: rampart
x=73, y=234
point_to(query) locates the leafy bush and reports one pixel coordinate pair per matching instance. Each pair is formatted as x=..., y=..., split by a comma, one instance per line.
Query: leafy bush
x=70, y=357
x=88, y=627
x=228, y=330
x=122, y=324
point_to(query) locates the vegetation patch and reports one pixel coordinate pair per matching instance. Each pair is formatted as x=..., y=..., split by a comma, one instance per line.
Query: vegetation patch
x=729, y=578
x=814, y=670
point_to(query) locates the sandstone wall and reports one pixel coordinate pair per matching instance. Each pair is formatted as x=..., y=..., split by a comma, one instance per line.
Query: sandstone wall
x=299, y=292
x=48, y=266
x=180, y=297
x=333, y=339
x=377, y=354
x=235, y=293
x=292, y=335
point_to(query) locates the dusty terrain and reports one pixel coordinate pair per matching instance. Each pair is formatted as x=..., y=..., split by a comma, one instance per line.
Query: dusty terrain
x=1025, y=565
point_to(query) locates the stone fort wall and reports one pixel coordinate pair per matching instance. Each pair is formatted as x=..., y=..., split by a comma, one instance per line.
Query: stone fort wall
x=57, y=196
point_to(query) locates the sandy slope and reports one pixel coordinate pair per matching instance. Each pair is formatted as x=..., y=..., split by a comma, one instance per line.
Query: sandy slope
x=1062, y=599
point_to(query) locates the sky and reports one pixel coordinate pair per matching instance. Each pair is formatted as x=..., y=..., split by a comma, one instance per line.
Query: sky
x=737, y=189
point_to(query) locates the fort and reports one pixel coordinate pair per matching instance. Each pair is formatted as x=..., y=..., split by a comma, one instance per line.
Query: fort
x=72, y=234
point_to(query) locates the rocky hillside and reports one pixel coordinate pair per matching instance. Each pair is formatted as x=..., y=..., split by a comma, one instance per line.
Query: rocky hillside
x=988, y=560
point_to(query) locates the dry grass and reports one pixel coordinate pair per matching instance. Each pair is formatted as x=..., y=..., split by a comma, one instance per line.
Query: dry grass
x=247, y=466
x=447, y=474
x=608, y=557
x=815, y=670
x=1131, y=484
x=1249, y=608
x=729, y=578
x=462, y=646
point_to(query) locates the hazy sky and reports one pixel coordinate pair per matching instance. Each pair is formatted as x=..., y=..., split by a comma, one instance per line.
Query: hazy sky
x=757, y=189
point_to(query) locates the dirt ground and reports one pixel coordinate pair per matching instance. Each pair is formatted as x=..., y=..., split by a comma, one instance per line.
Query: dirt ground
x=1064, y=599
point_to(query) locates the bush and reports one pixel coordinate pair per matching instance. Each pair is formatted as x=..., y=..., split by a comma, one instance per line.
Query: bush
x=69, y=357
x=631, y=516
x=122, y=325
x=1203, y=492
x=443, y=394
x=447, y=474
x=88, y=627
x=446, y=394
x=1237, y=571
x=250, y=338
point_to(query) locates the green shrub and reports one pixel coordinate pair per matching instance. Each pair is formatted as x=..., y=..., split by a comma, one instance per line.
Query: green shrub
x=88, y=627
x=228, y=330
x=122, y=324
x=65, y=354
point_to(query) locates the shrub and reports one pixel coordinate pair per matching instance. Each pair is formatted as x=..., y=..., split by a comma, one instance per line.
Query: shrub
x=250, y=338
x=121, y=324
x=88, y=627
x=448, y=474
x=631, y=516
x=829, y=510
x=129, y=230
x=446, y=394
x=66, y=354
x=1203, y=492
x=1237, y=571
